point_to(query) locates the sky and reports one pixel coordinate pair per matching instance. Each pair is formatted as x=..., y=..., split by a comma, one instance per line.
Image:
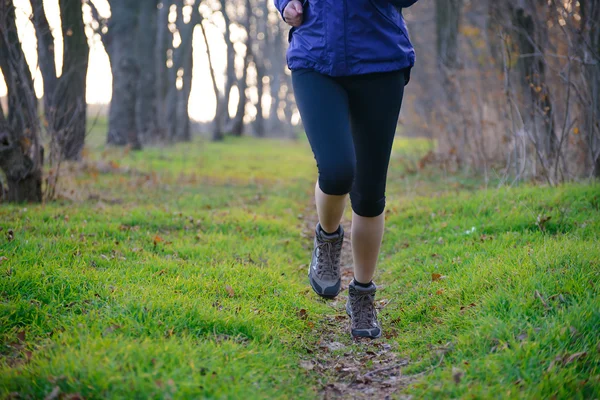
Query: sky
x=99, y=79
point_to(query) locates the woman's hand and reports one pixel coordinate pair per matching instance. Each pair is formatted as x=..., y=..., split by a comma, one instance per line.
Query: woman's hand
x=293, y=13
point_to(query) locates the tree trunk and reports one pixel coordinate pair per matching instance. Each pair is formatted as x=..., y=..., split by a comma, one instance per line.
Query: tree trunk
x=218, y=133
x=230, y=77
x=121, y=37
x=447, y=16
x=145, y=108
x=532, y=37
x=65, y=106
x=260, y=54
x=186, y=65
x=237, y=126
x=163, y=44
x=20, y=152
x=70, y=96
x=45, y=51
x=590, y=47
x=259, y=122
x=180, y=75
x=276, y=70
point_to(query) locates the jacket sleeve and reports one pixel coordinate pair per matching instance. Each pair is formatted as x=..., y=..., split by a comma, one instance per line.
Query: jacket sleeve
x=400, y=3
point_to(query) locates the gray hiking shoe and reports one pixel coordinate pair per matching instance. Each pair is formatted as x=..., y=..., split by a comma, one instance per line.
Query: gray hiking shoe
x=361, y=309
x=324, y=269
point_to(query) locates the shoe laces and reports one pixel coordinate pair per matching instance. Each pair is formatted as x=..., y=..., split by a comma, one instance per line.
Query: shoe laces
x=363, y=309
x=328, y=258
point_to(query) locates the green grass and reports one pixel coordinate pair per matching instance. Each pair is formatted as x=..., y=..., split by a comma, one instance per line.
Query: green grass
x=180, y=273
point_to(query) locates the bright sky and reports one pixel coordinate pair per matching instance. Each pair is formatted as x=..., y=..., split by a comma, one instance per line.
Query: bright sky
x=99, y=79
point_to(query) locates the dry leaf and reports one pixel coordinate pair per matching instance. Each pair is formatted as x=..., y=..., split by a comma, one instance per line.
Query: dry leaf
x=2, y=259
x=53, y=394
x=575, y=356
x=229, y=290
x=73, y=396
x=157, y=239
x=457, y=375
x=302, y=314
x=541, y=222
x=436, y=277
x=307, y=365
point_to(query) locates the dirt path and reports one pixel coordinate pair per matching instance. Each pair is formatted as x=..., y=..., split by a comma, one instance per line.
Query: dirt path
x=351, y=369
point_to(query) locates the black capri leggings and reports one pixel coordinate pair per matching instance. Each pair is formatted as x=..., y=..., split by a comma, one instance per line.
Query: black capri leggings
x=350, y=123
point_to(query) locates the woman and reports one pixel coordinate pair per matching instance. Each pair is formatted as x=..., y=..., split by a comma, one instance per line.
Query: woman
x=350, y=61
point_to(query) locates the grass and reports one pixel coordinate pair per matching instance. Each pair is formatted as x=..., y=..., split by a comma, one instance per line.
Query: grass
x=179, y=272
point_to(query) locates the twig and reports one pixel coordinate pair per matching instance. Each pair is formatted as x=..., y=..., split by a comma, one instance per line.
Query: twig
x=539, y=296
x=376, y=371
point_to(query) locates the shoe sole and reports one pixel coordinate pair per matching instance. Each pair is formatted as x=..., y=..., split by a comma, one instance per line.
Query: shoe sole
x=361, y=336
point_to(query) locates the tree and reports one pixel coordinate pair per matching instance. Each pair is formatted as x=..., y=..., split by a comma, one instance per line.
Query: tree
x=530, y=24
x=119, y=36
x=447, y=17
x=180, y=77
x=21, y=155
x=65, y=106
x=147, y=46
x=590, y=49
x=237, y=125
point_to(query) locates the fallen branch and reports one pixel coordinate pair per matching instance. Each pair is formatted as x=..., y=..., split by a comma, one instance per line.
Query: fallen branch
x=376, y=371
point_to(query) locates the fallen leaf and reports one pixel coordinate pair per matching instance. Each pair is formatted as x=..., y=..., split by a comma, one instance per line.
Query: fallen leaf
x=335, y=346
x=21, y=336
x=541, y=222
x=439, y=291
x=575, y=356
x=457, y=375
x=307, y=365
x=157, y=239
x=436, y=277
x=464, y=308
x=302, y=314
x=229, y=290
x=2, y=259
x=53, y=394
x=573, y=331
x=111, y=329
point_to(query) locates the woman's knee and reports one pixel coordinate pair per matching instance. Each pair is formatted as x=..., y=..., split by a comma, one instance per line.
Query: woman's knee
x=336, y=179
x=367, y=206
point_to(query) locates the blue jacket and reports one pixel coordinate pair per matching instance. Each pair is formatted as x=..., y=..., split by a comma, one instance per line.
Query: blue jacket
x=350, y=37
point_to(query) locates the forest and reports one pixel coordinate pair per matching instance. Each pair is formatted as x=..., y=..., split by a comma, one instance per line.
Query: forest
x=157, y=210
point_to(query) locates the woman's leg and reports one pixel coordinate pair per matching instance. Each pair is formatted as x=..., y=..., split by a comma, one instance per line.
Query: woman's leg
x=330, y=209
x=375, y=101
x=323, y=105
x=367, y=233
